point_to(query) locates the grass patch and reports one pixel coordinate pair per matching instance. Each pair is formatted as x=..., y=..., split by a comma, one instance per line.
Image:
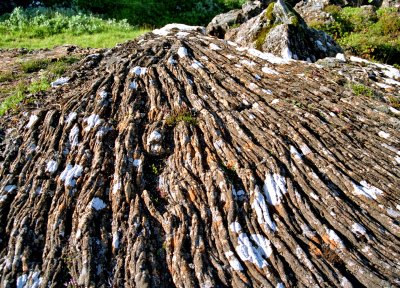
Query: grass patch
x=31, y=66
x=35, y=28
x=361, y=90
x=12, y=101
x=181, y=115
x=364, y=32
x=6, y=76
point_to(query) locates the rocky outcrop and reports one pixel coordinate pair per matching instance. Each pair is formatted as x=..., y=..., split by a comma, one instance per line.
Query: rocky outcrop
x=182, y=160
x=280, y=30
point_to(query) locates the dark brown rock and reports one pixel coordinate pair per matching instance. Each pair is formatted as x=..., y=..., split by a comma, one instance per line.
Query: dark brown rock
x=270, y=173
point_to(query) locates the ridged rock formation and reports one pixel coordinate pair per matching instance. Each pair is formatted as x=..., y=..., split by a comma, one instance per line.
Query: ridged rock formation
x=182, y=160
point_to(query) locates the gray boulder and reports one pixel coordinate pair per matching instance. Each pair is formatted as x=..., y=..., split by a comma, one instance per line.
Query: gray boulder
x=280, y=30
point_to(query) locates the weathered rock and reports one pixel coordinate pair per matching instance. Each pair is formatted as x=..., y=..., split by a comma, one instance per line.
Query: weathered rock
x=272, y=173
x=314, y=11
x=280, y=30
x=391, y=3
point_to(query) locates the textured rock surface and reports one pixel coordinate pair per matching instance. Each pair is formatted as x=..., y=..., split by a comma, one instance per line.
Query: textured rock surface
x=286, y=178
x=281, y=31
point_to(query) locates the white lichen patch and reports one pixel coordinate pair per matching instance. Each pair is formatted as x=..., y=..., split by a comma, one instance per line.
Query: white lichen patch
x=230, y=56
x=71, y=117
x=382, y=85
x=358, y=229
x=218, y=144
x=92, y=121
x=260, y=206
x=253, y=86
x=197, y=65
x=233, y=261
x=268, y=56
x=97, y=204
x=268, y=70
x=334, y=237
x=393, y=213
x=139, y=71
x=51, y=166
x=70, y=174
x=32, y=120
x=59, y=82
x=305, y=149
x=133, y=85
x=383, y=134
x=10, y=188
x=73, y=135
x=366, y=190
x=274, y=188
x=254, y=254
x=214, y=47
x=182, y=52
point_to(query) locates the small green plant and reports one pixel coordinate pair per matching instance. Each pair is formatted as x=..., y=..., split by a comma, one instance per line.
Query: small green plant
x=394, y=102
x=154, y=169
x=182, y=114
x=39, y=85
x=11, y=102
x=31, y=66
x=361, y=90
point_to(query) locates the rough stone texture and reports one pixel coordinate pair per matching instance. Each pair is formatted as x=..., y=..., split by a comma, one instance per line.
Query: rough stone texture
x=313, y=10
x=221, y=23
x=286, y=179
x=281, y=31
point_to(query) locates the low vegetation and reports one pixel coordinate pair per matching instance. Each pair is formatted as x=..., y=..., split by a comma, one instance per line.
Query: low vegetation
x=41, y=27
x=361, y=90
x=181, y=115
x=365, y=32
x=35, y=76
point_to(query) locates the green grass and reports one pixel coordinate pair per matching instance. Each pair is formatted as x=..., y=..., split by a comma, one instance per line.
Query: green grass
x=98, y=40
x=49, y=27
x=34, y=65
x=369, y=34
x=6, y=76
x=12, y=101
x=361, y=90
x=181, y=115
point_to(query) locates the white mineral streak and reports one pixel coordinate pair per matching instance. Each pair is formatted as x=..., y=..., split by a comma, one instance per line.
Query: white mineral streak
x=31, y=280
x=116, y=187
x=10, y=188
x=254, y=254
x=286, y=53
x=295, y=153
x=384, y=134
x=357, y=228
x=71, y=117
x=334, y=237
x=51, y=166
x=181, y=34
x=182, y=52
x=59, y=82
x=155, y=136
x=164, y=31
x=260, y=206
x=280, y=285
x=70, y=174
x=305, y=149
x=214, y=47
x=268, y=56
x=247, y=62
x=137, y=162
x=115, y=241
x=97, y=204
x=366, y=190
x=139, y=71
x=171, y=61
x=73, y=135
x=92, y=121
x=341, y=57
x=274, y=188
x=233, y=261
x=32, y=121
x=235, y=227
x=133, y=85
x=268, y=70
x=197, y=65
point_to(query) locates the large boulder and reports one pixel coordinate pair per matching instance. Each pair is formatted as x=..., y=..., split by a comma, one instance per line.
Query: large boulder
x=280, y=30
x=183, y=160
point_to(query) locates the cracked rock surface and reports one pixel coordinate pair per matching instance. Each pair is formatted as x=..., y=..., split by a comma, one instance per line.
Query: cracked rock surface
x=182, y=160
